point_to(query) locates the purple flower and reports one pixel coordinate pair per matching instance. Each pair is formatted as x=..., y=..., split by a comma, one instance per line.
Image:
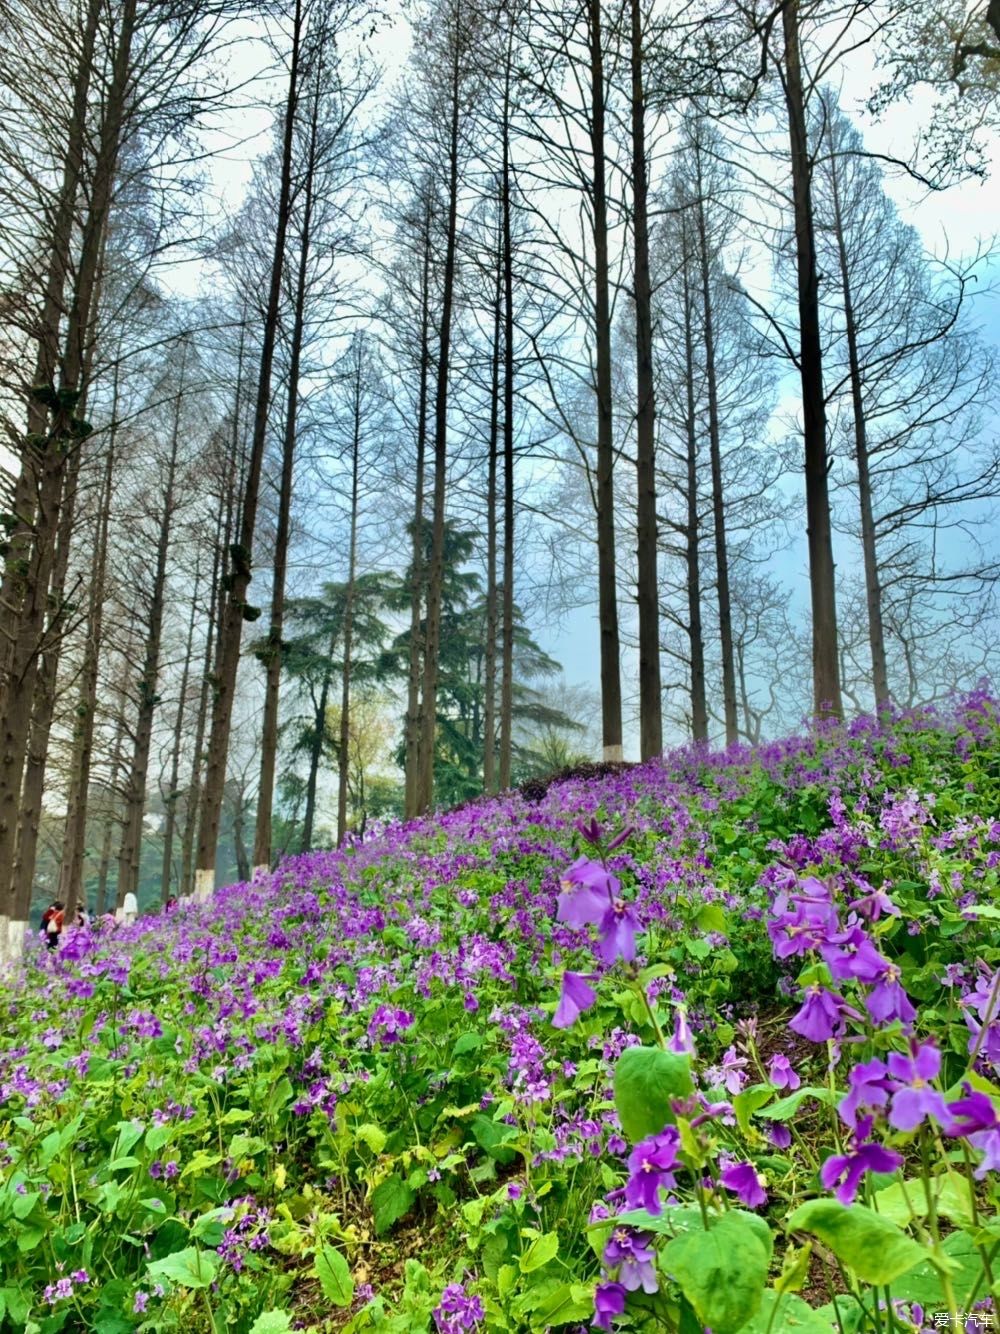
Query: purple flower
x=576, y=997
x=779, y=1135
x=631, y=1254
x=842, y=1172
x=803, y=921
x=681, y=1040
x=80, y=1276
x=140, y=1302
x=887, y=1001
x=616, y=937
x=457, y=1311
x=743, y=1181
x=975, y=1118
x=781, y=1074
x=650, y=1166
x=913, y=1099
x=820, y=1017
x=609, y=1301
x=587, y=889
x=870, y=1087
x=851, y=954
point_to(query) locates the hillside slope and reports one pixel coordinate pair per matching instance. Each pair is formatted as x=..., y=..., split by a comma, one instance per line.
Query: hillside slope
x=384, y=1088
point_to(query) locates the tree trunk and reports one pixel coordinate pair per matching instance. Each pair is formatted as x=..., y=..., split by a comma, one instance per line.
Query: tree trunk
x=873, y=581
x=826, y=665
x=435, y=579
x=22, y=539
x=224, y=529
x=65, y=433
x=692, y=534
x=648, y=598
x=173, y=792
x=611, y=688
x=43, y=706
x=490, y=666
x=316, y=752
x=135, y=798
x=414, y=727
x=344, y=756
x=236, y=609
x=718, y=495
x=507, y=590
x=269, y=731
x=75, y=830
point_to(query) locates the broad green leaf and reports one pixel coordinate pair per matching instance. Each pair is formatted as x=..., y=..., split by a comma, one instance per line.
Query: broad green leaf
x=922, y=1283
x=334, y=1275
x=785, y=1108
x=390, y=1201
x=189, y=1268
x=157, y=1136
x=568, y=1304
x=750, y=1101
x=466, y=1043
x=721, y=1272
x=679, y=1218
x=271, y=1322
x=23, y=1204
x=873, y=1246
x=903, y=1201
x=539, y=1253
x=646, y=1079
x=792, y=1316
x=371, y=1135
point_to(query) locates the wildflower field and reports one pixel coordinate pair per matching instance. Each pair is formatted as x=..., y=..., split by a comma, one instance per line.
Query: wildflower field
x=706, y=1044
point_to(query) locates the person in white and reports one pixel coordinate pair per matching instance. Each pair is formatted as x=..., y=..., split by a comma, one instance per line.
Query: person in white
x=130, y=908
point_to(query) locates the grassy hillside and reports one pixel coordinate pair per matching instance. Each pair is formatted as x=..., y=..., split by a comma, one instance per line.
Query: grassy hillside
x=744, y=1004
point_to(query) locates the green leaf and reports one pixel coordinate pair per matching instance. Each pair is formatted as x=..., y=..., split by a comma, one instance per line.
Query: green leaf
x=646, y=1079
x=785, y=1108
x=390, y=1201
x=466, y=1043
x=271, y=1322
x=922, y=1283
x=874, y=1247
x=721, y=1272
x=679, y=1218
x=750, y=1101
x=567, y=1304
x=189, y=1268
x=334, y=1276
x=793, y=1316
x=903, y=1201
x=539, y=1253
x=371, y=1135
x=23, y=1204
x=711, y=918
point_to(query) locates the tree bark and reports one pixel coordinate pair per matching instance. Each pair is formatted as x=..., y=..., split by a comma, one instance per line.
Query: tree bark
x=64, y=433
x=492, y=615
x=822, y=586
x=344, y=755
x=611, y=690
x=873, y=580
x=135, y=793
x=692, y=535
x=432, y=642
x=414, y=726
x=236, y=609
x=75, y=830
x=650, y=695
x=507, y=589
x=173, y=791
x=269, y=731
x=718, y=491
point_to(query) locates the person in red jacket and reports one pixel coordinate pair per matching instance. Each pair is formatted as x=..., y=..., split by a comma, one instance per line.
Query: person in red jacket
x=53, y=920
